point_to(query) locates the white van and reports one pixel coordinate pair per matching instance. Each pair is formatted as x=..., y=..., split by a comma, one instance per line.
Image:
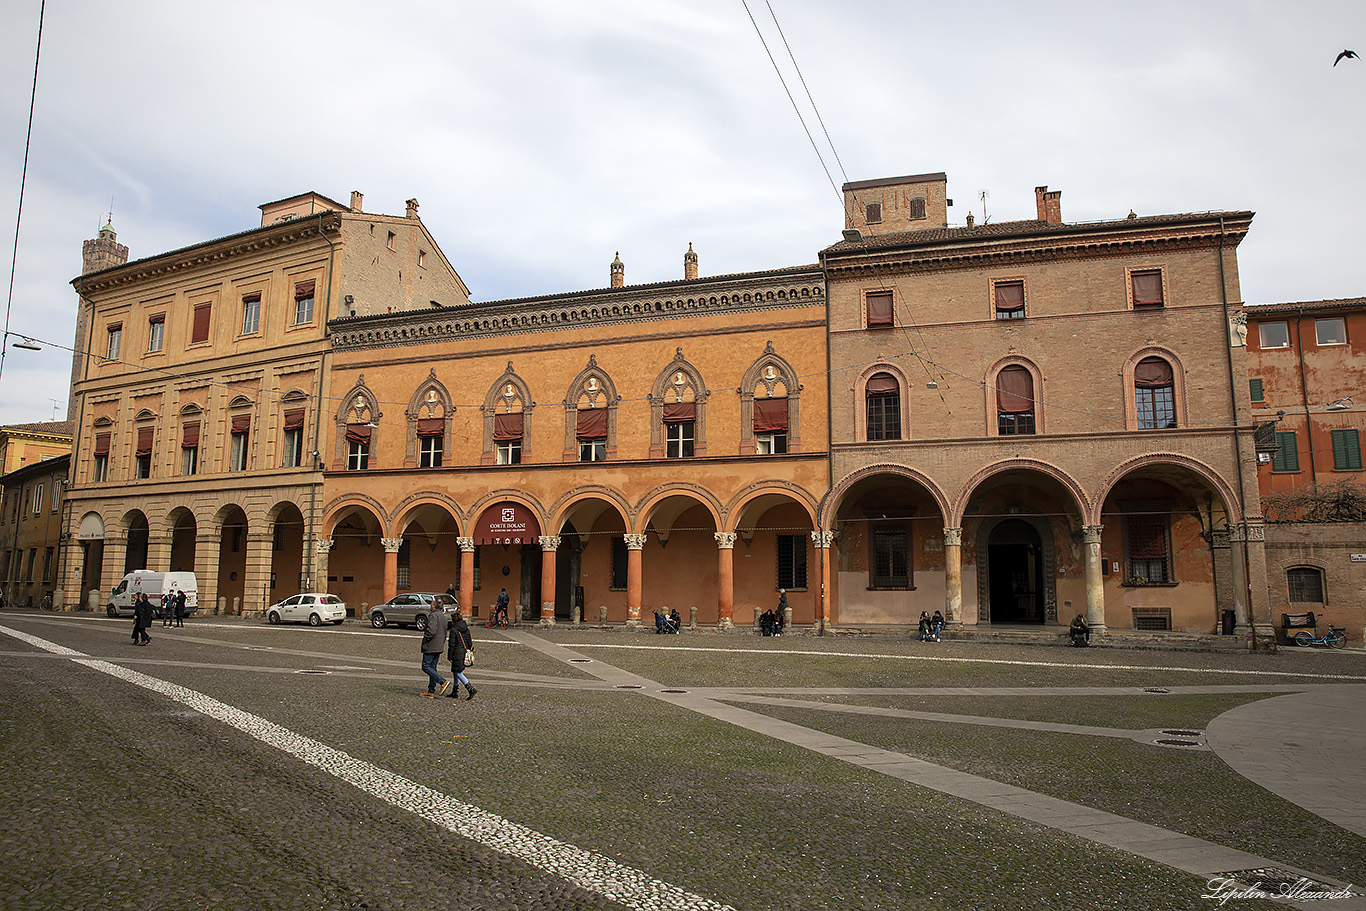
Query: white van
x=157, y=587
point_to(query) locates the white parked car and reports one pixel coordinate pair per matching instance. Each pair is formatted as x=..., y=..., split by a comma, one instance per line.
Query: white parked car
x=314, y=608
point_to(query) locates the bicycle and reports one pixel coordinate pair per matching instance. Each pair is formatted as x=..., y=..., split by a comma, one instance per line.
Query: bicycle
x=1336, y=637
x=498, y=619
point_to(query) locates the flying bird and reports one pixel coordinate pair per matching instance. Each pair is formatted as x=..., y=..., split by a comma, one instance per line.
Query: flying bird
x=1349, y=54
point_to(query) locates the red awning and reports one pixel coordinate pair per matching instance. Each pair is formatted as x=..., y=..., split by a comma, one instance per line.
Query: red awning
x=770, y=415
x=591, y=424
x=102, y=444
x=190, y=439
x=358, y=433
x=294, y=419
x=680, y=412
x=1015, y=391
x=241, y=423
x=507, y=427
x=507, y=523
x=431, y=427
x=145, y=441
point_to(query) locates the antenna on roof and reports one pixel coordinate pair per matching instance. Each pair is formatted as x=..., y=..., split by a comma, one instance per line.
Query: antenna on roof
x=983, y=196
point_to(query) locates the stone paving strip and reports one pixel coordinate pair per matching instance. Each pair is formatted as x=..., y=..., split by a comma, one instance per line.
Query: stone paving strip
x=1184, y=852
x=616, y=882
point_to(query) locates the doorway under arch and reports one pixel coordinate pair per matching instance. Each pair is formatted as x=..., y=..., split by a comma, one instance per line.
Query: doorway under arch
x=1017, y=583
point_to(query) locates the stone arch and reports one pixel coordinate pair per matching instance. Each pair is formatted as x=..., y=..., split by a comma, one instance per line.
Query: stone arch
x=509, y=395
x=832, y=501
x=431, y=402
x=1081, y=502
x=593, y=388
x=1232, y=505
x=770, y=373
x=679, y=384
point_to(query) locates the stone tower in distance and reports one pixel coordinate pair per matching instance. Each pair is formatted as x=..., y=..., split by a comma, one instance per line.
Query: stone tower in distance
x=103, y=252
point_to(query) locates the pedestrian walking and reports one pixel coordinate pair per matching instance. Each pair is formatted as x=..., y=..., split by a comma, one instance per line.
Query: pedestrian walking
x=167, y=610
x=461, y=652
x=180, y=600
x=433, y=644
x=142, y=620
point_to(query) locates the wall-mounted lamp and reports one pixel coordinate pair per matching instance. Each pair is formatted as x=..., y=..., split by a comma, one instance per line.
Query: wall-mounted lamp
x=931, y=385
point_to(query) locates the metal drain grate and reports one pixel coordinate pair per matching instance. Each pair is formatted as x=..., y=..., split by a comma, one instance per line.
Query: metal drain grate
x=580, y=660
x=313, y=672
x=1182, y=733
x=1167, y=741
x=629, y=686
x=1155, y=689
x=673, y=691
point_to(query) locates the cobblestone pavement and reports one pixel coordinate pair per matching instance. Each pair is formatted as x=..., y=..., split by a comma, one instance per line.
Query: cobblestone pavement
x=234, y=765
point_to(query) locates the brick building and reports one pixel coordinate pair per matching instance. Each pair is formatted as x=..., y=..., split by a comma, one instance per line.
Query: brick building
x=1034, y=419
x=31, y=524
x=1306, y=373
x=197, y=383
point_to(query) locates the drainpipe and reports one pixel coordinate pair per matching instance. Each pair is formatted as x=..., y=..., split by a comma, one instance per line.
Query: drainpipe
x=311, y=544
x=829, y=455
x=1237, y=443
x=1304, y=396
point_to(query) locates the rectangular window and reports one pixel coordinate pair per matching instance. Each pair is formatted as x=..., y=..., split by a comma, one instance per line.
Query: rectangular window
x=199, y=332
x=99, y=468
x=917, y=208
x=1287, y=457
x=1258, y=394
x=142, y=456
x=111, y=348
x=251, y=314
x=47, y=564
x=1330, y=331
x=430, y=455
x=1147, y=289
x=884, y=417
x=770, y=443
x=678, y=441
x=237, y=456
x=592, y=450
x=38, y=499
x=1305, y=584
x=872, y=213
x=510, y=452
x=1273, y=335
x=422, y=259
x=189, y=461
x=619, y=560
x=57, y=494
x=293, y=454
x=1011, y=424
x=791, y=561
x=879, y=309
x=303, y=303
x=477, y=571
x=32, y=560
x=389, y=242
x=1156, y=408
x=1010, y=300
x=1147, y=549
x=1346, y=450
x=156, y=330
x=357, y=455
x=891, y=557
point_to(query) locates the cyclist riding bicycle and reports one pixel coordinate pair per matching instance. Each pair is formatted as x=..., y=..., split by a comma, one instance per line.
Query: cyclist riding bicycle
x=500, y=610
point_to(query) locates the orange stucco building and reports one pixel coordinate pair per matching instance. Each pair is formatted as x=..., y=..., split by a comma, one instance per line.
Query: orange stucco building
x=659, y=445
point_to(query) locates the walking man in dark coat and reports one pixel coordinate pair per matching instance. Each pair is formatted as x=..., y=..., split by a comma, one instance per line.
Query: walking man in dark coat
x=433, y=644
x=142, y=620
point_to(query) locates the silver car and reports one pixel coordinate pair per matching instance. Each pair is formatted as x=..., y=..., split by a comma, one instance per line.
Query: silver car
x=408, y=609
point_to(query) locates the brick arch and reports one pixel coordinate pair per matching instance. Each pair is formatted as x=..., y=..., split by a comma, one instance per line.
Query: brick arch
x=735, y=509
x=1081, y=502
x=1232, y=505
x=830, y=506
x=404, y=510
x=560, y=511
x=646, y=506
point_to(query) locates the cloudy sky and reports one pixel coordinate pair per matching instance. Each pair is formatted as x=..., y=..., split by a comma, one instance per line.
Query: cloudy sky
x=543, y=136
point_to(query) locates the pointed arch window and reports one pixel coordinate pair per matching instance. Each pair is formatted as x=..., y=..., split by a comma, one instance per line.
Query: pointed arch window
x=678, y=411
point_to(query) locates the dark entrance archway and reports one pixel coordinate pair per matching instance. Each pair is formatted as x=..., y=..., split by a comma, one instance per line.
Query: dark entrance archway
x=1016, y=576
x=136, y=555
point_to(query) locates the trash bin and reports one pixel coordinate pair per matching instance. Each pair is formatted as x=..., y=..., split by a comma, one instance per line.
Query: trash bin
x=1228, y=622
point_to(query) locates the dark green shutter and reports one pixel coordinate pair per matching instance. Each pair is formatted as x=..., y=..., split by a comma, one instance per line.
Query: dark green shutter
x=1287, y=458
x=1257, y=395
x=1346, y=450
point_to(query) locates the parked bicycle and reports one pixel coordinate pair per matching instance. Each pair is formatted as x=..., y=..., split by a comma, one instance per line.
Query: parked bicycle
x=1336, y=637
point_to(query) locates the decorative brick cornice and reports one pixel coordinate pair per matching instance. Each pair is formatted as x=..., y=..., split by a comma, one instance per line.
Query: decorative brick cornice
x=785, y=289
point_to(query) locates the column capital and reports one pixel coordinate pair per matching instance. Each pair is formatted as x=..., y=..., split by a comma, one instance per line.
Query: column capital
x=391, y=545
x=323, y=546
x=1090, y=534
x=549, y=543
x=1219, y=538
x=953, y=537
x=465, y=544
x=1237, y=533
x=822, y=538
x=725, y=540
x=634, y=542
x=1256, y=531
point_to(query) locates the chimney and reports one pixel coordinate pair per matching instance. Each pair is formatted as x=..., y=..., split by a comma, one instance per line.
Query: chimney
x=1049, y=205
x=690, y=263
x=356, y=200
x=412, y=208
x=618, y=272
x=970, y=220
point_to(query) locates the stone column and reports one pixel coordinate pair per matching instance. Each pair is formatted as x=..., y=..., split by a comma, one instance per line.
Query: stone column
x=1259, y=593
x=1237, y=536
x=115, y=553
x=953, y=577
x=1095, y=581
x=1220, y=555
x=256, y=578
x=466, y=546
x=725, y=579
x=206, y=553
x=823, y=540
x=391, y=546
x=159, y=554
x=321, y=550
x=549, y=544
x=634, y=544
